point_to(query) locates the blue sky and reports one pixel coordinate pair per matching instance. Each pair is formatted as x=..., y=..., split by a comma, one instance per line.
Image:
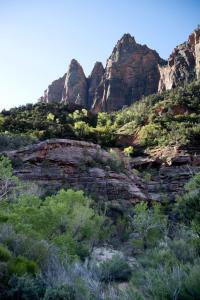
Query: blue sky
x=38, y=38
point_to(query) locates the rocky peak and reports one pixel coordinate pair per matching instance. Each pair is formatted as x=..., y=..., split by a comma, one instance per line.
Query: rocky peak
x=93, y=81
x=54, y=91
x=183, y=64
x=131, y=72
x=124, y=46
x=75, y=86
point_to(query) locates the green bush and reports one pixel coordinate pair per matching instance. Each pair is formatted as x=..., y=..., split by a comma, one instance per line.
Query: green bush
x=191, y=287
x=5, y=254
x=63, y=292
x=21, y=265
x=25, y=288
x=115, y=269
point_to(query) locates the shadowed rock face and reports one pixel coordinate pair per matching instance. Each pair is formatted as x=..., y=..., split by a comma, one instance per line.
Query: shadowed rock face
x=93, y=82
x=58, y=163
x=183, y=64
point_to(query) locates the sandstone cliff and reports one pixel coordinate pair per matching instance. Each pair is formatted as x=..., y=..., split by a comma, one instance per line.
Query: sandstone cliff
x=54, y=91
x=75, y=86
x=131, y=72
x=183, y=64
x=58, y=163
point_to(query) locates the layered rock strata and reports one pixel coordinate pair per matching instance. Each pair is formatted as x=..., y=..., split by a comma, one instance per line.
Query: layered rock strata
x=64, y=163
x=167, y=170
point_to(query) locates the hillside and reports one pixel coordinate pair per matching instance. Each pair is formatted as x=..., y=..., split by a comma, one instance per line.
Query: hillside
x=100, y=182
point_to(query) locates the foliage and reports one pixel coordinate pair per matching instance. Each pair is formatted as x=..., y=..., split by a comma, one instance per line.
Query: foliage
x=74, y=226
x=5, y=254
x=7, y=180
x=188, y=205
x=128, y=151
x=149, y=225
x=21, y=265
x=116, y=269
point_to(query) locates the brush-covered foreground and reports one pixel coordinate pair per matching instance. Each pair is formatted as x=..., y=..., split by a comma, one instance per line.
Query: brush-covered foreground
x=46, y=246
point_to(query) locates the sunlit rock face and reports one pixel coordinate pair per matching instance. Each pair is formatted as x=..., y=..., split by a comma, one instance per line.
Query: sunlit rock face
x=75, y=87
x=183, y=64
x=54, y=91
x=131, y=72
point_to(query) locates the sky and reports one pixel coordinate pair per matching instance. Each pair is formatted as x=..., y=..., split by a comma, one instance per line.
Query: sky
x=38, y=38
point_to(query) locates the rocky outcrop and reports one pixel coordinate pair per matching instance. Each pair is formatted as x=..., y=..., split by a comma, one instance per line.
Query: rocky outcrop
x=183, y=64
x=54, y=91
x=131, y=72
x=75, y=87
x=58, y=163
x=166, y=170
x=94, y=81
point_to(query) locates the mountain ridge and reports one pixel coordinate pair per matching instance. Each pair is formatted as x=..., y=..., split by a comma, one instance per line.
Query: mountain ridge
x=131, y=72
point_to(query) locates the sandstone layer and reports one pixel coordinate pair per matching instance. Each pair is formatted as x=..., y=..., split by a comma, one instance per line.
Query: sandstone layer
x=64, y=163
x=166, y=170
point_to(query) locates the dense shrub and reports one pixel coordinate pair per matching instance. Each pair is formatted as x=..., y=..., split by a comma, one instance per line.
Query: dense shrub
x=5, y=254
x=115, y=269
x=21, y=265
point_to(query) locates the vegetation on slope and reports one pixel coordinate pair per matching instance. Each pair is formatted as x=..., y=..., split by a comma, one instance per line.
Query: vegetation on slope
x=172, y=117
x=46, y=246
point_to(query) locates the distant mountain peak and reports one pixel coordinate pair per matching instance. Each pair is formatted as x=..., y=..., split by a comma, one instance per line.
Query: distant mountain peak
x=131, y=71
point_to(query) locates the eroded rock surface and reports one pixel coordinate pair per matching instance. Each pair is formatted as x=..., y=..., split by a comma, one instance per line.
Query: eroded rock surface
x=131, y=72
x=166, y=170
x=58, y=163
x=75, y=86
x=183, y=64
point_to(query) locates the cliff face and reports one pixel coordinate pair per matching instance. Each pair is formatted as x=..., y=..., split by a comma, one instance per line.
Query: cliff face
x=64, y=163
x=75, y=86
x=54, y=91
x=94, y=81
x=131, y=72
x=183, y=64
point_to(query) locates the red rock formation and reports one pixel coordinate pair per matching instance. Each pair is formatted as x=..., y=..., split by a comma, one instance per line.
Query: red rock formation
x=64, y=163
x=54, y=91
x=93, y=82
x=131, y=72
x=183, y=64
x=75, y=87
